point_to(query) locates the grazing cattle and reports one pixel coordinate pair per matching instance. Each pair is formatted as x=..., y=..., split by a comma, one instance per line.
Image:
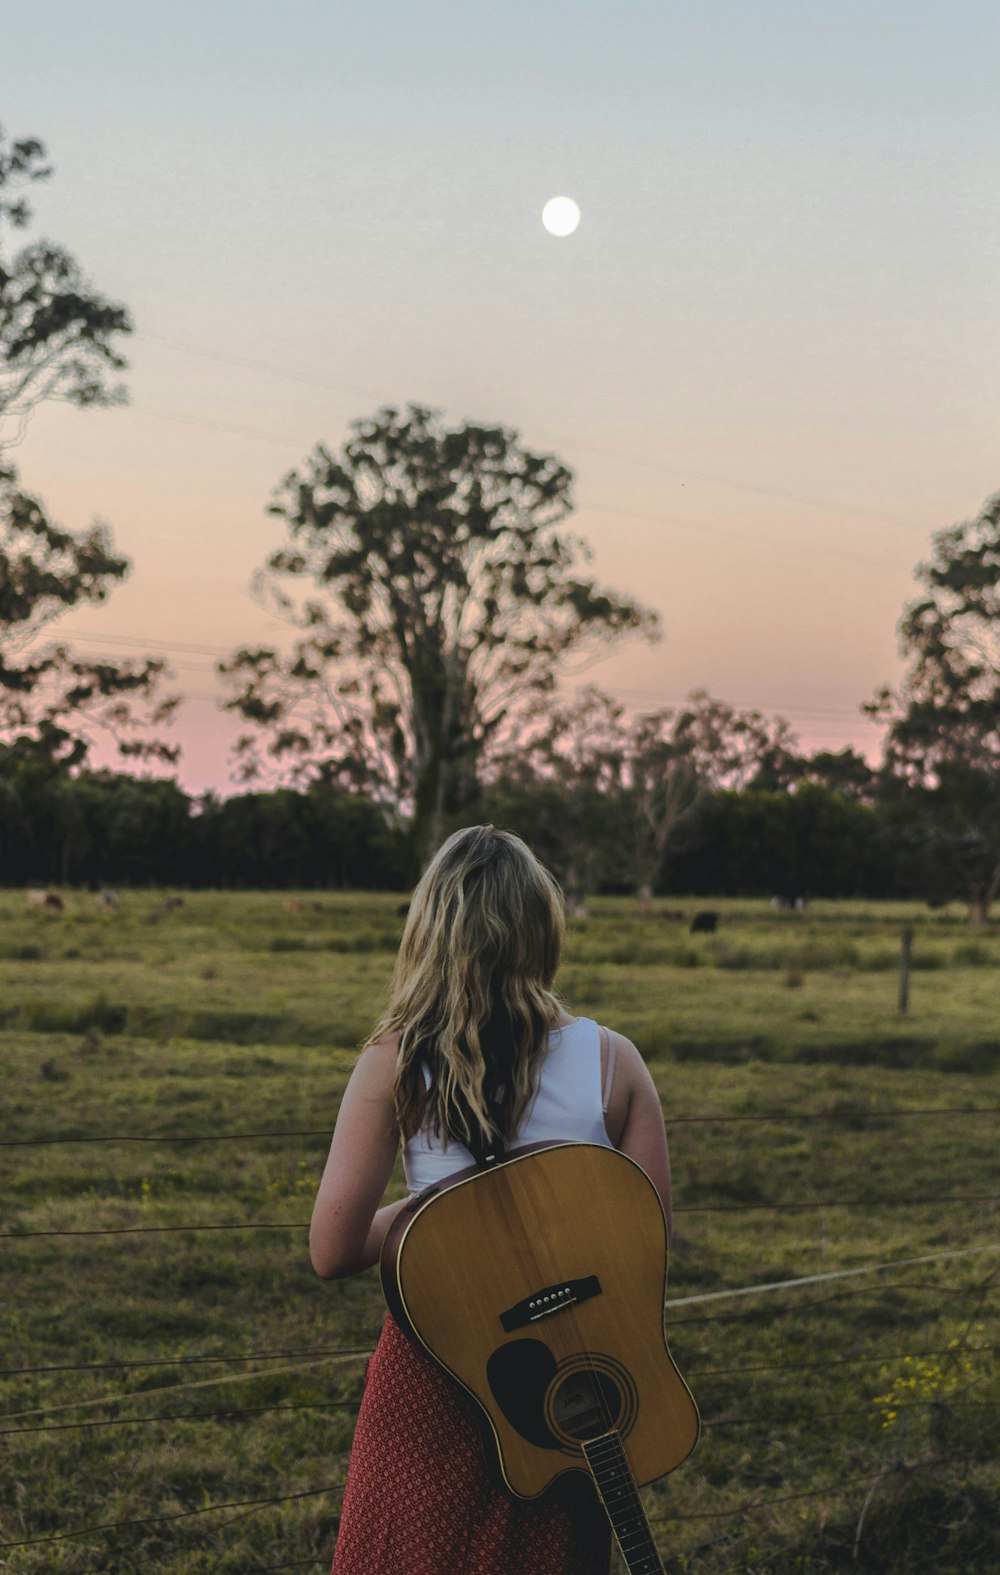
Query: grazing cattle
x=704, y=924
x=402, y=910
x=108, y=900
x=173, y=902
x=293, y=905
x=47, y=900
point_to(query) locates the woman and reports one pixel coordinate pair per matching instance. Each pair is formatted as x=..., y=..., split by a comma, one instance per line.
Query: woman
x=474, y=1040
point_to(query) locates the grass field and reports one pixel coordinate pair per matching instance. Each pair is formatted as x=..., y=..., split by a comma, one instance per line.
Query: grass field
x=850, y=1423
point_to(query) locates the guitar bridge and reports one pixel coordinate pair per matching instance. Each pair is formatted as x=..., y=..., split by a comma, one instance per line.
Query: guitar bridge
x=550, y=1299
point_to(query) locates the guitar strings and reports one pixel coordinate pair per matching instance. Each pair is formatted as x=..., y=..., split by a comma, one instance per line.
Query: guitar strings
x=629, y=1484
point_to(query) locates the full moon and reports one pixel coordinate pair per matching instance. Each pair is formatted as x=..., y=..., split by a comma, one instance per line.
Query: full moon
x=560, y=216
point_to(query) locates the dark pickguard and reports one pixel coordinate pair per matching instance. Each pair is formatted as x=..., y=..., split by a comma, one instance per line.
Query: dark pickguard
x=519, y=1374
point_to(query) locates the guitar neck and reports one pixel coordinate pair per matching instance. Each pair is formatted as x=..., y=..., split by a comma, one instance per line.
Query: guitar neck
x=615, y=1483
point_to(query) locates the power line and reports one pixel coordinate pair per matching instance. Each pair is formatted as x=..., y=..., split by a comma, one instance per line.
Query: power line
x=781, y=544
x=185, y=419
x=731, y=483
x=263, y=366
x=655, y=696
x=200, y=649
x=145, y=642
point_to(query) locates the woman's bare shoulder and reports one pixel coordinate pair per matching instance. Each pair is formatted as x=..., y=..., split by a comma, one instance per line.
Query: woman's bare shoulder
x=627, y=1055
x=375, y=1067
x=385, y=1047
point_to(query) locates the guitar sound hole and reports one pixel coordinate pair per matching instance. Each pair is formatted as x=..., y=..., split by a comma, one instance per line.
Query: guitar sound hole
x=585, y=1404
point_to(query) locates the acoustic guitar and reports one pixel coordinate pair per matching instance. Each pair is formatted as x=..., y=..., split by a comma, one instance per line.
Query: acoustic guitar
x=538, y=1285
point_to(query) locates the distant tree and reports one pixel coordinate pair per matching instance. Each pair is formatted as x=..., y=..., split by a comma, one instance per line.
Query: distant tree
x=942, y=752
x=811, y=842
x=55, y=333
x=634, y=786
x=324, y=838
x=677, y=757
x=52, y=703
x=443, y=596
x=845, y=772
x=559, y=780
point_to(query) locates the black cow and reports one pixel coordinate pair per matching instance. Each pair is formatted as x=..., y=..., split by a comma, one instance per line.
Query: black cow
x=704, y=924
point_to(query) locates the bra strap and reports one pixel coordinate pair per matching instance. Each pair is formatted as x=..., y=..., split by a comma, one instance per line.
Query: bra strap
x=608, y=1044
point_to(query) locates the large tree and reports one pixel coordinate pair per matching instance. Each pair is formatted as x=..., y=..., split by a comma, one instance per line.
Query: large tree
x=53, y=704
x=942, y=753
x=441, y=594
x=56, y=343
x=56, y=333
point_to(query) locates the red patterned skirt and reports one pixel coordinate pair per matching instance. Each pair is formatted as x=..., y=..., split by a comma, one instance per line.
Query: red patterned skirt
x=420, y=1501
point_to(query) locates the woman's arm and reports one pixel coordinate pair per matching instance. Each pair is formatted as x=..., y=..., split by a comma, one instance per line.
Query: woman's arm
x=643, y=1136
x=348, y=1227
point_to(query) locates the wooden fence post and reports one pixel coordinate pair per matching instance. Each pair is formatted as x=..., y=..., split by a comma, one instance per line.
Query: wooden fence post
x=904, y=970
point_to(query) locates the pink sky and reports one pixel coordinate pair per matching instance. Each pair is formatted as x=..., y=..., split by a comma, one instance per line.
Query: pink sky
x=770, y=352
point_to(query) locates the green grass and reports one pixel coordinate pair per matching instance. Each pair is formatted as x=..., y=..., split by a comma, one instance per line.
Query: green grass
x=238, y=1013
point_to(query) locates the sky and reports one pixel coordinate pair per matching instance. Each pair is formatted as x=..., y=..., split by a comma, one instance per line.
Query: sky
x=770, y=353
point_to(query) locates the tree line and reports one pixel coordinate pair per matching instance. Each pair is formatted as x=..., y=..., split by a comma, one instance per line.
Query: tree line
x=107, y=829
x=434, y=599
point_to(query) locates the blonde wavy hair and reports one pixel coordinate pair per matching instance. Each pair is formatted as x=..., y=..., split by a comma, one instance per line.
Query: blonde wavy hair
x=472, y=996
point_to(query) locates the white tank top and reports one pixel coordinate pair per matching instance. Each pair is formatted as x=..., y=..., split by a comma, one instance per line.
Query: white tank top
x=567, y=1104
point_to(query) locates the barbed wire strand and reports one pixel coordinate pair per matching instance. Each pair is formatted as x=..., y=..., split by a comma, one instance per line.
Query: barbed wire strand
x=179, y=1416
x=207, y=1509
x=827, y=1275
x=184, y=1514
x=167, y=1389
x=358, y=1350
x=353, y=1352
x=831, y=1491
x=183, y=1361
x=351, y=1404
x=924, y=1201
x=683, y=1119
x=345, y=1353
x=813, y=1303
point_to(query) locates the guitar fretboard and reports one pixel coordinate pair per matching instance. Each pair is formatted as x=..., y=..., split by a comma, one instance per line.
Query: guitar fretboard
x=611, y=1471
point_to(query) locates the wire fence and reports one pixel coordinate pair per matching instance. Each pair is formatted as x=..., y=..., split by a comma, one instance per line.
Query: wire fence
x=365, y=1350
x=846, y=1114
x=301, y=1358
x=923, y=1200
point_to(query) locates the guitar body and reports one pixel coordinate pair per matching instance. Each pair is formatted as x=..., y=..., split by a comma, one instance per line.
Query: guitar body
x=538, y=1285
